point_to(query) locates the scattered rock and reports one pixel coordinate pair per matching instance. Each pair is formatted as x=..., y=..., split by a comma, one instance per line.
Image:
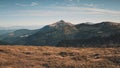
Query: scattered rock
x=64, y=54
x=76, y=58
x=3, y=51
x=96, y=56
x=28, y=53
x=47, y=53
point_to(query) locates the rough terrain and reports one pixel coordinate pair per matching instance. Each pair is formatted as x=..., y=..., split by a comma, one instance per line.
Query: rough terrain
x=58, y=57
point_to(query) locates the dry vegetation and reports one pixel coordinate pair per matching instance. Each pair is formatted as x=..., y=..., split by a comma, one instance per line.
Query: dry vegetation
x=58, y=57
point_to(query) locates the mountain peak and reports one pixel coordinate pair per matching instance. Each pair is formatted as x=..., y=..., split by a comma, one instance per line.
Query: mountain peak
x=60, y=23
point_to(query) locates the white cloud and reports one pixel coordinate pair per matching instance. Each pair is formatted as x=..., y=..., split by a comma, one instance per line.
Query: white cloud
x=70, y=0
x=31, y=4
x=104, y=11
x=73, y=0
x=91, y=10
x=75, y=3
x=34, y=4
x=65, y=11
x=21, y=4
x=40, y=13
x=90, y=5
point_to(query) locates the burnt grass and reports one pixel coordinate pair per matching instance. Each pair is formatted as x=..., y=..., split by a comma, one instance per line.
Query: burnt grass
x=58, y=57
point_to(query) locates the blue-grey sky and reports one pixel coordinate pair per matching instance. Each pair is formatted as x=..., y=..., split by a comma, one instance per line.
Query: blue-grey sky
x=42, y=12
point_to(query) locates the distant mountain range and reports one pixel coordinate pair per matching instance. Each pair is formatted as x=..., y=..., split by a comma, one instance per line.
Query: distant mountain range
x=5, y=31
x=20, y=27
x=63, y=33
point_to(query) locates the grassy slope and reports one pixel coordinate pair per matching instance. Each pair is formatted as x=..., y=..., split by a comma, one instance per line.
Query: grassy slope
x=58, y=57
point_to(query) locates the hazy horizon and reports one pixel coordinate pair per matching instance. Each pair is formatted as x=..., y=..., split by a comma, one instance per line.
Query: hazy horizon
x=44, y=12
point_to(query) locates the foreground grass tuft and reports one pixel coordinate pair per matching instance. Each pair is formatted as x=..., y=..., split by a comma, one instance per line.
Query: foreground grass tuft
x=58, y=57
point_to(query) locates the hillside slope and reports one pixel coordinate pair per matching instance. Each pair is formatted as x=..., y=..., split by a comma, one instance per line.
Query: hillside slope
x=12, y=37
x=58, y=57
x=3, y=43
x=50, y=34
x=63, y=33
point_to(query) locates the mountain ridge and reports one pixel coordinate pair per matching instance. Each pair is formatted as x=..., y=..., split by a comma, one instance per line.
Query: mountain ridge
x=53, y=34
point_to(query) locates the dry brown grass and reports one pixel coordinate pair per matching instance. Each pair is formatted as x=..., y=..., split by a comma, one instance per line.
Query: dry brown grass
x=58, y=57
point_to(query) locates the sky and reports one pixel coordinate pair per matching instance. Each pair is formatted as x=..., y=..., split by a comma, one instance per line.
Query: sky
x=44, y=12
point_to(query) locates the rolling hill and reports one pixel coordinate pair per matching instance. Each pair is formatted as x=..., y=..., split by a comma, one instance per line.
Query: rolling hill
x=64, y=33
